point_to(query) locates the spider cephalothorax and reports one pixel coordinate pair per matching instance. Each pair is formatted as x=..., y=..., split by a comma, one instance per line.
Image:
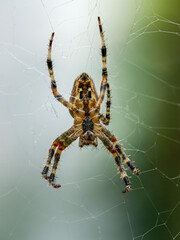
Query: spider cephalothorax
x=84, y=106
x=84, y=94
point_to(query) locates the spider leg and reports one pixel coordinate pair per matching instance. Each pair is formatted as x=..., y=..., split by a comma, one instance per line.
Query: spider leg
x=125, y=158
x=109, y=145
x=56, y=94
x=106, y=120
x=51, y=178
x=48, y=162
x=104, y=67
x=119, y=149
x=60, y=143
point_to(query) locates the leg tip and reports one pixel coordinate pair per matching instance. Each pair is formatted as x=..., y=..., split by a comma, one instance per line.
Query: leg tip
x=127, y=189
x=99, y=20
x=45, y=176
x=54, y=185
x=52, y=36
x=136, y=171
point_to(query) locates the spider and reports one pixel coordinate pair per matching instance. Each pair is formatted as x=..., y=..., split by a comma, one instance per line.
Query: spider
x=84, y=106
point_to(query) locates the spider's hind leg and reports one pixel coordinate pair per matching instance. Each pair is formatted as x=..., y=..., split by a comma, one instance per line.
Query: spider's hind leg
x=60, y=143
x=55, y=165
x=48, y=162
x=109, y=145
x=125, y=158
x=120, y=151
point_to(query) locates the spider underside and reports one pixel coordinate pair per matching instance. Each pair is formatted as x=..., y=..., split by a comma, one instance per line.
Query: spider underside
x=84, y=106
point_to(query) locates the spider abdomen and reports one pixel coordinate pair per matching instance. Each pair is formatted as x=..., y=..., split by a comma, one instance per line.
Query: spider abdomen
x=87, y=124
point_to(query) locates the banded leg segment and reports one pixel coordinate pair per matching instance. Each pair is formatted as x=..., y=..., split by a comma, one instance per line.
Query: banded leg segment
x=109, y=145
x=60, y=143
x=125, y=158
x=56, y=94
x=51, y=178
x=104, y=66
x=119, y=149
x=106, y=120
x=108, y=104
x=48, y=162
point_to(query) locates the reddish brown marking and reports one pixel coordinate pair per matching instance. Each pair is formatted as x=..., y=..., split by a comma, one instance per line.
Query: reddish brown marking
x=45, y=176
x=125, y=191
x=99, y=20
x=51, y=40
x=52, y=36
x=55, y=144
x=113, y=139
x=112, y=150
x=61, y=148
x=54, y=185
x=54, y=90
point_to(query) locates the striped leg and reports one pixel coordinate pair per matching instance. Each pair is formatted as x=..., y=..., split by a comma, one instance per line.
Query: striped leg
x=122, y=154
x=56, y=94
x=104, y=67
x=51, y=178
x=109, y=145
x=106, y=120
x=60, y=143
x=125, y=157
x=48, y=162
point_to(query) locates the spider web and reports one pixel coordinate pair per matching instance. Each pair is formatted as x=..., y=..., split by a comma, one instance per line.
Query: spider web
x=143, y=41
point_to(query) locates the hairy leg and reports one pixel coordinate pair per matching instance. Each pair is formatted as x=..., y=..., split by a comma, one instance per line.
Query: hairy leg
x=56, y=94
x=109, y=145
x=104, y=66
x=119, y=149
x=106, y=120
x=60, y=144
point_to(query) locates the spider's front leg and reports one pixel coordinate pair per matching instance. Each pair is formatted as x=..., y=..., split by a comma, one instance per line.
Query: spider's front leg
x=104, y=66
x=106, y=120
x=109, y=145
x=60, y=143
x=56, y=94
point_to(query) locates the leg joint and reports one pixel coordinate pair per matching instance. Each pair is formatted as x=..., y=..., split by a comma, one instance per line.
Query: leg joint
x=104, y=71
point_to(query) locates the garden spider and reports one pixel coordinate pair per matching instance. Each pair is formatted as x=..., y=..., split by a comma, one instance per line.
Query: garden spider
x=84, y=106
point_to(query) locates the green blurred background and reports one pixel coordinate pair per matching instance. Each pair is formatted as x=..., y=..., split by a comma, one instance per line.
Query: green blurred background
x=143, y=40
